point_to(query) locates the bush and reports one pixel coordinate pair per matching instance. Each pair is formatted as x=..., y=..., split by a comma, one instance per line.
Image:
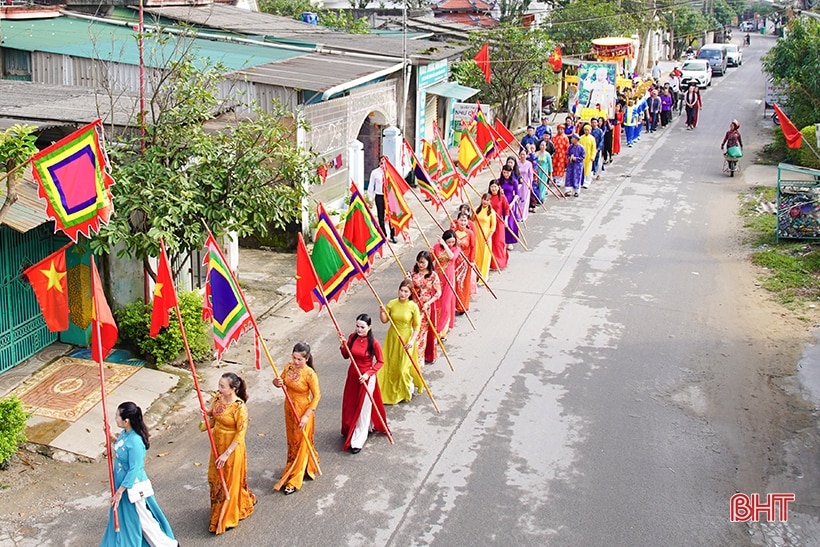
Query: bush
x=803, y=156
x=134, y=322
x=12, y=427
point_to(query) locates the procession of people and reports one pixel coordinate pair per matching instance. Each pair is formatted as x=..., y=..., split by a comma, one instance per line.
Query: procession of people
x=430, y=301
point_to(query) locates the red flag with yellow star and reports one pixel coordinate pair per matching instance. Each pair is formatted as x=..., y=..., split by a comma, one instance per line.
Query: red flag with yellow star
x=165, y=295
x=48, y=280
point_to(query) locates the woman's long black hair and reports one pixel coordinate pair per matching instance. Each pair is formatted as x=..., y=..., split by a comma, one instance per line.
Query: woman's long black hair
x=304, y=348
x=430, y=266
x=131, y=412
x=238, y=385
x=366, y=318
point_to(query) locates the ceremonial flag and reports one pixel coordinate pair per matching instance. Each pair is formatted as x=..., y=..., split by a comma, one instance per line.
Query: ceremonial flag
x=430, y=156
x=331, y=259
x=165, y=295
x=398, y=212
x=72, y=176
x=448, y=178
x=470, y=159
x=360, y=234
x=423, y=179
x=484, y=137
x=305, y=281
x=556, y=59
x=48, y=280
x=504, y=135
x=482, y=58
x=794, y=138
x=103, y=328
x=223, y=303
x=392, y=174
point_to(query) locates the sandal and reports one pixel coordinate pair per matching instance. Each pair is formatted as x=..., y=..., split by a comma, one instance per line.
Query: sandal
x=289, y=490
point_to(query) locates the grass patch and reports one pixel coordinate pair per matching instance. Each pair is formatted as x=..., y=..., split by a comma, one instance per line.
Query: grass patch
x=791, y=268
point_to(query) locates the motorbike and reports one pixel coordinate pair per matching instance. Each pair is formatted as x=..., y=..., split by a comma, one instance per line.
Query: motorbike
x=548, y=105
x=730, y=164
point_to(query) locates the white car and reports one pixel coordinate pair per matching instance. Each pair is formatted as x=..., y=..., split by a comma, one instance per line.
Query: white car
x=747, y=26
x=734, y=55
x=698, y=70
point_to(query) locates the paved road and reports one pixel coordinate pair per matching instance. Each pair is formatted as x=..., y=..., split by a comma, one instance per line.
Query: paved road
x=600, y=401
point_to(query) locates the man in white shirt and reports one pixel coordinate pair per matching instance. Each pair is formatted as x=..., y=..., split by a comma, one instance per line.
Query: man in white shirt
x=656, y=72
x=375, y=193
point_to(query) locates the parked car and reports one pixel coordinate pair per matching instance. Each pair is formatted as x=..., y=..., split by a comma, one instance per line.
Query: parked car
x=734, y=55
x=698, y=70
x=747, y=26
x=716, y=55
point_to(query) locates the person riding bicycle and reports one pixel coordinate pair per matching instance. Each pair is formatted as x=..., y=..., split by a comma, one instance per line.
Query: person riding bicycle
x=748, y=39
x=733, y=142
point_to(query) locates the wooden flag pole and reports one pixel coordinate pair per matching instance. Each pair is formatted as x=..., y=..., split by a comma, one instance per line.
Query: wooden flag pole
x=395, y=327
x=311, y=450
x=344, y=341
x=483, y=235
x=109, y=453
x=449, y=283
x=503, y=223
x=202, y=407
x=426, y=314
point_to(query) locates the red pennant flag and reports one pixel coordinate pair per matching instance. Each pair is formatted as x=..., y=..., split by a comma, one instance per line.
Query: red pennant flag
x=484, y=137
x=794, y=138
x=556, y=60
x=48, y=280
x=103, y=329
x=305, y=281
x=504, y=134
x=482, y=58
x=165, y=295
x=393, y=175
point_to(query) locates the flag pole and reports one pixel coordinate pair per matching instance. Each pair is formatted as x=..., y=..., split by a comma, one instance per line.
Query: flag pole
x=430, y=214
x=194, y=375
x=426, y=314
x=483, y=235
x=347, y=348
x=395, y=327
x=447, y=279
x=311, y=450
x=109, y=455
x=501, y=219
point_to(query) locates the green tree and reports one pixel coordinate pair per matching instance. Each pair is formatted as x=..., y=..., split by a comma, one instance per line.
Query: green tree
x=723, y=12
x=795, y=61
x=513, y=10
x=16, y=147
x=580, y=22
x=244, y=178
x=518, y=60
x=687, y=25
x=335, y=19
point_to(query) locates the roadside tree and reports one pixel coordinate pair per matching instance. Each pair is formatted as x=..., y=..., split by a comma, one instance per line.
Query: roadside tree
x=245, y=176
x=16, y=147
x=518, y=59
x=793, y=61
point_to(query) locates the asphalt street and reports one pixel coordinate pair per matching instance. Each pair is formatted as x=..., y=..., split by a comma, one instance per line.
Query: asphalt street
x=598, y=402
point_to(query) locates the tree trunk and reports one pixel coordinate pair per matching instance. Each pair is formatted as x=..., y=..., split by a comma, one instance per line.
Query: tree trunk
x=11, y=195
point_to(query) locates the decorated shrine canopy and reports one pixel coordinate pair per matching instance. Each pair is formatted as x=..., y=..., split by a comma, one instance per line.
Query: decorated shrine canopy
x=613, y=48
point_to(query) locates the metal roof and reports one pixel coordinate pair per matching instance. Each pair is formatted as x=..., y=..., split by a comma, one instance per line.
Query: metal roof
x=29, y=211
x=88, y=39
x=317, y=72
x=47, y=105
x=289, y=31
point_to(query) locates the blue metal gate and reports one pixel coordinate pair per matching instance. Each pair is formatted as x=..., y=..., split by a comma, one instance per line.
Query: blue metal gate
x=23, y=330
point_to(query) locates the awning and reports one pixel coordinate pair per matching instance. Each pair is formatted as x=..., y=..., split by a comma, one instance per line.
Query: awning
x=451, y=89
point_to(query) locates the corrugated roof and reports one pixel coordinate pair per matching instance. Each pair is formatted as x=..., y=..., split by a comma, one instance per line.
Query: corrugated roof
x=29, y=211
x=39, y=104
x=316, y=72
x=289, y=31
x=89, y=39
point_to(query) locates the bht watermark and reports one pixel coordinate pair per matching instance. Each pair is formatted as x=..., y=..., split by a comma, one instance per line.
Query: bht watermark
x=743, y=508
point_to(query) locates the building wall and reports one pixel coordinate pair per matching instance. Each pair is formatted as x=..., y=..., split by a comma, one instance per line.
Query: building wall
x=334, y=124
